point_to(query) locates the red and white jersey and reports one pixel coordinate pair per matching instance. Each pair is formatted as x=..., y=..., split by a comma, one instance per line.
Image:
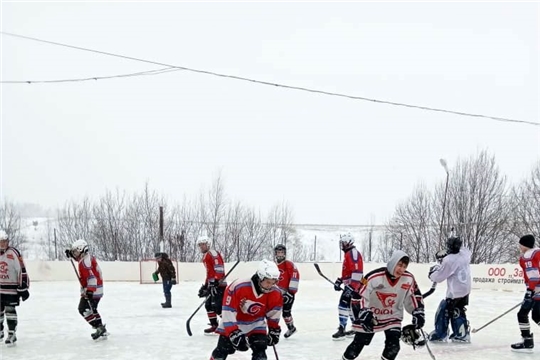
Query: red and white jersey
x=352, y=270
x=91, y=278
x=215, y=268
x=530, y=263
x=288, y=276
x=12, y=272
x=388, y=296
x=248, y=311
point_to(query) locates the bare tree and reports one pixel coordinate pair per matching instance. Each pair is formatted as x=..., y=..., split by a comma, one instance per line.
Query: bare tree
x=75, y=222
x=10, y=222
x=413, y=224
x=478, y=208
x=526, y=204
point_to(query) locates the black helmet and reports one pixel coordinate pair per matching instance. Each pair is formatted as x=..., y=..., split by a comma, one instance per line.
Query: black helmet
x=453, y=244
x=411, y=336
x=280, y=247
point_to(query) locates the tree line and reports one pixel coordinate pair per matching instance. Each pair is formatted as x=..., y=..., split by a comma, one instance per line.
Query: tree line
x=479, y=205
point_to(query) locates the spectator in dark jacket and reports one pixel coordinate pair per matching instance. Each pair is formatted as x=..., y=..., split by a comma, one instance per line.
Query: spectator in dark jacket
x=168, y=275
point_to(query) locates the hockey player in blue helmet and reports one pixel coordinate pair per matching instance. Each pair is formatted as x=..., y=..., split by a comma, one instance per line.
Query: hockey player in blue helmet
x=456, y=270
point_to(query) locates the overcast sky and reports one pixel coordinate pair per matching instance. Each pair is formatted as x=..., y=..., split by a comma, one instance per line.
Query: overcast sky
x=334, y=160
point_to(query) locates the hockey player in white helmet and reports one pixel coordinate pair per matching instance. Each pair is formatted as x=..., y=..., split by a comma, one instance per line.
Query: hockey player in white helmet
x=91, y=282
x=14, y=284
x=251, y=314
x=351, y=276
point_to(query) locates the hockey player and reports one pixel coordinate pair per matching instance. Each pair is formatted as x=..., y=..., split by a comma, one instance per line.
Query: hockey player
x=213, y=288
x=351, y=276
x=379, y=306
x=91, y=282
x=168, y=276
x=455, y=268
x=250, y=306
x=530, y=263
x=14, y=284
x=288, y=283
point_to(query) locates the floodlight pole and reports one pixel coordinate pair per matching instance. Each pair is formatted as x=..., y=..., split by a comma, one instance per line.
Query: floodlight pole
x=445, y=166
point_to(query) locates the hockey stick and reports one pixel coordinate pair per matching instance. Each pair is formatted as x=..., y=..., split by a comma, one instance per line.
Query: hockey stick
x=324, y=276
x=427, y=345
x=275, y=352
x=188, y=328
x=430, y=291
x=497, y=318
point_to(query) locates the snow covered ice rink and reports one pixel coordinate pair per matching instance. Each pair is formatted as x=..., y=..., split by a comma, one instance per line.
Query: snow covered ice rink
x=50, y=326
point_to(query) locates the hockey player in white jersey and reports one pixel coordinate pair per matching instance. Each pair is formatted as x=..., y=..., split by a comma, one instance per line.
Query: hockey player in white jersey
x=455, y=268
x=378, y=307
x=14, y=283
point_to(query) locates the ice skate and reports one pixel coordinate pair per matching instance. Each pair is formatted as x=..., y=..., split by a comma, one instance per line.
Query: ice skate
x=291, y=330
x=11, y=339
x=434, y=338
x=349, y=333
x=461, y=340
x=100, y=333
x=526, y=346
x=339, y=335
x=211, y=330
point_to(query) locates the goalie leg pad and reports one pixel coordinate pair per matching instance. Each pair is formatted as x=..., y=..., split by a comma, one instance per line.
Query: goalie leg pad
x=441, y=322
x=391, y=344
x=460, y=325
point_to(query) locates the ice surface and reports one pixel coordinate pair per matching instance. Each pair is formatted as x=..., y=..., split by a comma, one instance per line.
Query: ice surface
x=50, y=326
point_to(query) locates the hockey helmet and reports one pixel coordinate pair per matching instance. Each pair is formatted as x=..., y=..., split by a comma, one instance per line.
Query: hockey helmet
x=267, y=270
x=203, y=240
x=453, y=244
x=346, y=241
x=280, y=257
x=411, y=336
x=79, y=247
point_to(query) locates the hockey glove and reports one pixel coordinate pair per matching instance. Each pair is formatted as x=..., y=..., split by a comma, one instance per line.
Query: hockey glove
x=68, y=253
x=366, y=320
x=213, y=287
x=23, y=293
x=173, y=281
x=418, y=318
x=441, y=254
x=337, y=284
x=528, y=300
x=348, y=292
x=288, y=298
x=433, y=269
x=89, y=295
x=356, y=309
x=203, y=291
x=238, y=340
x=273, y=336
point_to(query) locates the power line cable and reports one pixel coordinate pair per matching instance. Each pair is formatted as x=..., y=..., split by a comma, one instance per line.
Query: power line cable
x=142, y=73
x=291, y=87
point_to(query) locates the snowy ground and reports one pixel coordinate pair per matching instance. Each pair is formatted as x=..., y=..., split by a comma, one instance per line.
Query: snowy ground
x=51, y=328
